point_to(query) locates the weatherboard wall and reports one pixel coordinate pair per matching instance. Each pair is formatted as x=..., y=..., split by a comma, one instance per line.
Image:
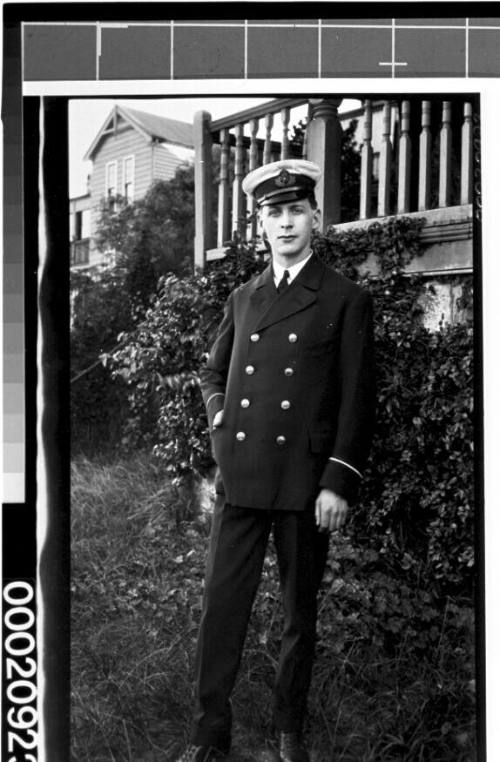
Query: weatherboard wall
x=116, y=148
x=165, y=162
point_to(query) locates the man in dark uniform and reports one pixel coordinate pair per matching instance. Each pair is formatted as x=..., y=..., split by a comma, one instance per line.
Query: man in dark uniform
x=289, y=393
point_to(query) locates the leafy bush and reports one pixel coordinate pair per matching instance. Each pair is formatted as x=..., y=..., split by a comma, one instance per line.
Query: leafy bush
x=150, y=237
x=98, y=405
x=154, y=233
x=160, y=360
x=416, y=504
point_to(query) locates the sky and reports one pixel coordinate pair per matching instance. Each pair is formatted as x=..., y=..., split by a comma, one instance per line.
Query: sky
x=87, y=115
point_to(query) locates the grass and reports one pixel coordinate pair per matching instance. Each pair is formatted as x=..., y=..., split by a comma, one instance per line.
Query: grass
x=137, y=570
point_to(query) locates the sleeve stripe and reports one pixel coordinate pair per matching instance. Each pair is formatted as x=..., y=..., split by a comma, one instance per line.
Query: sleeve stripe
x=216, y=394
x=337, y=460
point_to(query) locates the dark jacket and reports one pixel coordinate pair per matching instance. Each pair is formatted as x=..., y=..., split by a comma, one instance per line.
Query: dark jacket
x=294, y=374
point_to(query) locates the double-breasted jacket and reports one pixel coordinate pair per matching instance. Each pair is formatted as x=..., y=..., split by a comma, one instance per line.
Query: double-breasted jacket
x=293, y=373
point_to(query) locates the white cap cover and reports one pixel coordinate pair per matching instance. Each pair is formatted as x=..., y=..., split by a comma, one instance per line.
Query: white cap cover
x=281, y=181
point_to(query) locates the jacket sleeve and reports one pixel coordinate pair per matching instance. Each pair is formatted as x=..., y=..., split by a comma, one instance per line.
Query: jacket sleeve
x=213, y=375
x=344, y=469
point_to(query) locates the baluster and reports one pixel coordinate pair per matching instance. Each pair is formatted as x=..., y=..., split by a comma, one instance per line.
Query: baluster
x=466, y=168
x=268, y=122
x=285, y=119
x=305, y=149
x=366, y=165
x=253, y=164
x=424, y=161
x=404, y=160
x=204, y=231
x=254, y=148
x=304, y=143
x=394, y=129
x=385, y=163
x=238, y=200
x=445, y=157
x=223, y=226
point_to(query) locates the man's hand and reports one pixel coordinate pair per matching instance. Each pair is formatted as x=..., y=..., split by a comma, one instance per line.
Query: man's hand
x=217, y=419
x=331, y=511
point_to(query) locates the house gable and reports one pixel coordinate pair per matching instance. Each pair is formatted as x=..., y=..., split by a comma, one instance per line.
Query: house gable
x=150, y=126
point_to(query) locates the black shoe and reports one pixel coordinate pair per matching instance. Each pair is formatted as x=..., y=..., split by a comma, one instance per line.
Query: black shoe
x=202, y=754
x=291, y=749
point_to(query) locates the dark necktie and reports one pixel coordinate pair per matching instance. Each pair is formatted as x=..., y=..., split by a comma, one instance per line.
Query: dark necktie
x=283, y=282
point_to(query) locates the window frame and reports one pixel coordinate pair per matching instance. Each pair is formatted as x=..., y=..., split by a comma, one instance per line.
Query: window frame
x=130, y=158
x=107, y=186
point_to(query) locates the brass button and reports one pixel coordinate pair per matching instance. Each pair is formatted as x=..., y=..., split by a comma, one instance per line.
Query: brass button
x=249, y=370
x=280, y=440
x=245, y=403
x=288, y=371
x=292, y=338
x=241, y=436
x=254, y=337
x=285, y=405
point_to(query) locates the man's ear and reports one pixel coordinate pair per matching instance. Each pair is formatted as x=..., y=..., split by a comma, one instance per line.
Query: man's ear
x=316, y=219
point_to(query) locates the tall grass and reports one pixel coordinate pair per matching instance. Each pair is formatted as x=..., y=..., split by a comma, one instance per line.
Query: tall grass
x=138, y=552
x=132, y=629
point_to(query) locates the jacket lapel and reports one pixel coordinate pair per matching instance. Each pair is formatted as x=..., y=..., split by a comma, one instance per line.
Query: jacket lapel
x=301, y=293
x=264, y=292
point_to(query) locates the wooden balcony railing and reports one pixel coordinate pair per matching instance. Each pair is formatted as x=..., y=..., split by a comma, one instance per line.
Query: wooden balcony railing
x=415, y=155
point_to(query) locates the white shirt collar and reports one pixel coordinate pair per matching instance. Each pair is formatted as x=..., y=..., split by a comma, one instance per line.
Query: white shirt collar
x=293, y=270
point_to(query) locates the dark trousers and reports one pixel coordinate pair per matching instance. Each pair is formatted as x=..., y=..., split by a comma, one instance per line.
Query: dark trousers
x=236, y=554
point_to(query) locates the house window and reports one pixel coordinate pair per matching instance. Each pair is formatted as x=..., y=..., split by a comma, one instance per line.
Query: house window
x=78, y=225
x=80, y=252
x=111, y=184
x=128, y=178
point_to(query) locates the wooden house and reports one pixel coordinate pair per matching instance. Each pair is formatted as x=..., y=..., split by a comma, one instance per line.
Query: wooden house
x=131, y=150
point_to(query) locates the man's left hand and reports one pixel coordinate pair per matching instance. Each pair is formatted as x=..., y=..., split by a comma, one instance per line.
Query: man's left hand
x=331, y=511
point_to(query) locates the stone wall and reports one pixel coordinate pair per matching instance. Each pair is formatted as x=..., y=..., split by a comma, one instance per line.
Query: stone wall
x=446, y=260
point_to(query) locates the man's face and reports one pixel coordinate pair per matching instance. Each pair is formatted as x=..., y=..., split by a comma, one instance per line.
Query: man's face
x=288, y=228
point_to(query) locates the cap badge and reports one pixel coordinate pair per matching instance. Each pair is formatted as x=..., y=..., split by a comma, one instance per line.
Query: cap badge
x=284, y=178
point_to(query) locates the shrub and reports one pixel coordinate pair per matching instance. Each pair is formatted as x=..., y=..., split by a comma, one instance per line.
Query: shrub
x=98, y=405
x=150, y=237
x=154, y=234
x=416, y=506
x=160, y=360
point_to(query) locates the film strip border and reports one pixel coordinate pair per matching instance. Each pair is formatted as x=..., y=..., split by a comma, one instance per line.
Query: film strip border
x=241, y=49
